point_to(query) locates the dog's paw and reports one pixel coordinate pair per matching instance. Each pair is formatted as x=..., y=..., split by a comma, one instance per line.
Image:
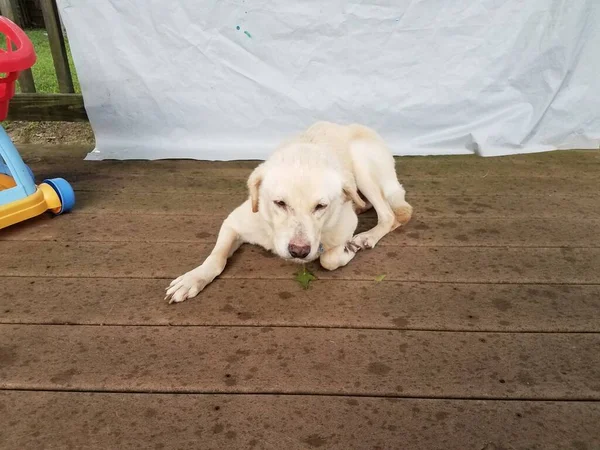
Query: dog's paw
x=351, y=247
x=363, y=241
x=186, y=286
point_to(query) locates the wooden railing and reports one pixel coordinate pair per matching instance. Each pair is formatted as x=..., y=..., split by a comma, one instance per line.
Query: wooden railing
x=30, y=105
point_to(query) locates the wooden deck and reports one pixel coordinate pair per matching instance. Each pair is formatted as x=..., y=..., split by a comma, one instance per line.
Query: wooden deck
x=484, y=334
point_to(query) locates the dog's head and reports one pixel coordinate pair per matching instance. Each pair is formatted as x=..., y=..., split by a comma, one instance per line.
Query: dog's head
x=299, y=192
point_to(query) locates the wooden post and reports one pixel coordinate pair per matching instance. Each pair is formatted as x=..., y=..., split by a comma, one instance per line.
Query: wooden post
x=57, y=46
x=24, y=19
x=10, y=9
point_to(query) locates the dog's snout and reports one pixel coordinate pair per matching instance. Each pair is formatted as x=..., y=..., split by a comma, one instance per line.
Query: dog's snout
x=299, y=251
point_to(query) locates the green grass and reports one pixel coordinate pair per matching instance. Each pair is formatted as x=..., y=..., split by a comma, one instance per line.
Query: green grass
x=44, y=74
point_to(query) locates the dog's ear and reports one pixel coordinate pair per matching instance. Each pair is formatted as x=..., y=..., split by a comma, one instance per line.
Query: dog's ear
x=254, y=182
x=351, y=193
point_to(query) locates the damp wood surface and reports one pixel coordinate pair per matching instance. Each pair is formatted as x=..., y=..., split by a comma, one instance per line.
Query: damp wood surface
x=474, y=327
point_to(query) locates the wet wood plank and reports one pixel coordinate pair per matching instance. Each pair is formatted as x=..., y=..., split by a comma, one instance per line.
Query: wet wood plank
x=100, y=421
x=192, y=171
x=555, y=207
x=531, y=366
x=434, y=231
x=331, y=303
x=172, y=181
x=561, y=163
x=568, y=174
x=398, y=263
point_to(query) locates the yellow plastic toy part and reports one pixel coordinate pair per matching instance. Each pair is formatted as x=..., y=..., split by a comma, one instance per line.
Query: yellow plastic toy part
x=6, y=182
x=44, y=199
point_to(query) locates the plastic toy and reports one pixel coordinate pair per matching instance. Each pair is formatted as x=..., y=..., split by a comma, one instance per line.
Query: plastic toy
x=20, y=198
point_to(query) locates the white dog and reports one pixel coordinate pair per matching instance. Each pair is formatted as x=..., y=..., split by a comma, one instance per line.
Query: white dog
x=304, y=200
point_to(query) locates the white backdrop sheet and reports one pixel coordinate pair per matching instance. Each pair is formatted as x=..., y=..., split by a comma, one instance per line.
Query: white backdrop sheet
x=229, y=79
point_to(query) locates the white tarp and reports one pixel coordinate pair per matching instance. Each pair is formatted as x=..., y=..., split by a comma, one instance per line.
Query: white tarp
x=229, y=79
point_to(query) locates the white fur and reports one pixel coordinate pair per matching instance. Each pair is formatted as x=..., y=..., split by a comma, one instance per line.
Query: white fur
x=318, y=175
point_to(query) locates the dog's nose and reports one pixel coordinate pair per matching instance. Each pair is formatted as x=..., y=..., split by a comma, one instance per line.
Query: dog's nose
x=299, y=251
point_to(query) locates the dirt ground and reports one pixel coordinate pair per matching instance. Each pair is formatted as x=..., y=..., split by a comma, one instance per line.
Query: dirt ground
x=63, y=133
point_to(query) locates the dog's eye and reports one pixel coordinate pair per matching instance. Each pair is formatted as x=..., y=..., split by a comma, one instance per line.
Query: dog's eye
x=320, y=206
x=280, y=203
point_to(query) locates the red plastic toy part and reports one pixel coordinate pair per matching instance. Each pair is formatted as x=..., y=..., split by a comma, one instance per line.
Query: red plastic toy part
x=12, y=61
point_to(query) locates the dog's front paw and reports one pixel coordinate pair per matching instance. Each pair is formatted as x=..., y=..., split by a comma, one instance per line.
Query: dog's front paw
x=363, y=241
x=186, y=286
x=351, y=247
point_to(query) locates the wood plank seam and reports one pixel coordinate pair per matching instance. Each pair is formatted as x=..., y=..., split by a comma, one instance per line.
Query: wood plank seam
x=381, y=244
x=351, y=278
x=575, y=399
x=308, y=327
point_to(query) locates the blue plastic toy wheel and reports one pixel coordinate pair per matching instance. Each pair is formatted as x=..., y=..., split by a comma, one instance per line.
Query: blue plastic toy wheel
x=65, y=193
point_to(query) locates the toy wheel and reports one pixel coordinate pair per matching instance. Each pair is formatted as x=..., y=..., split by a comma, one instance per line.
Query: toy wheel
x=65, y=193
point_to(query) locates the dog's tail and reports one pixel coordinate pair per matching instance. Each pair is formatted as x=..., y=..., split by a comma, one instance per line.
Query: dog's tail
x=395, y=195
